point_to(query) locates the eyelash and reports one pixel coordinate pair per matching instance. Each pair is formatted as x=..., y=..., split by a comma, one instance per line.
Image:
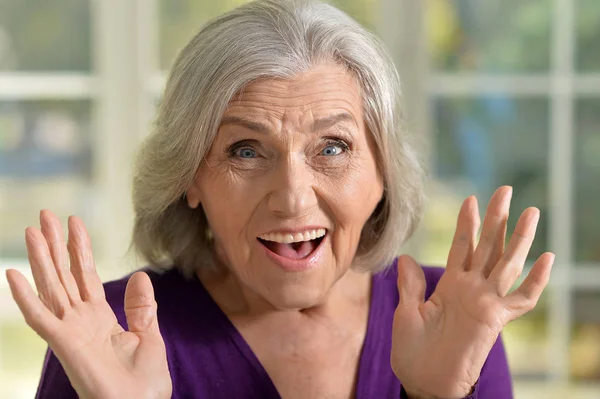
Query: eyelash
x=330, y=141
x=239, y=145
x=337, y=142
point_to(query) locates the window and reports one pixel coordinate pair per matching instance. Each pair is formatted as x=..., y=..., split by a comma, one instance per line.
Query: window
x=512, y=89
x=47, y=159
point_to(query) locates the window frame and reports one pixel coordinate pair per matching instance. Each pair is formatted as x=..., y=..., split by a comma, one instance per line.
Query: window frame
x=125, y=81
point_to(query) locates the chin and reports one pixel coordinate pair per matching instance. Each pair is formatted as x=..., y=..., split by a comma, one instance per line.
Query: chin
x=295, y=298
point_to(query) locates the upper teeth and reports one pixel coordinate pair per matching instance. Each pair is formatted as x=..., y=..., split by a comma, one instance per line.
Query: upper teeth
x=295, y=237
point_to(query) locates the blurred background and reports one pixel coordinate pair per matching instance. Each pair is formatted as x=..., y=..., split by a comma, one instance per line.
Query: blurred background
x=497, y=91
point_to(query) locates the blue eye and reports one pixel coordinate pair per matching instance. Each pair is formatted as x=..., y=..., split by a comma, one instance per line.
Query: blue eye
x=245, y=152
x=332, y=150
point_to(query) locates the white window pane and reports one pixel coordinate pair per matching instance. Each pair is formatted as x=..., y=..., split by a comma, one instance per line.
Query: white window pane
x=480, y=144
x=40, y=35
x=181, y=19
x=45, y=139
x=21, y=356
x=585, y=343
x=586, y=227
x=45, y=162
x=526, y=342
x=490, y=36
x=588, y=31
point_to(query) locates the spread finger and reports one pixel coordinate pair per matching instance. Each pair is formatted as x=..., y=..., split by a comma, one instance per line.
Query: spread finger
x=52, y=231
x=463, y=242
x=82, y=262
x=493, y=234
x=509, y=269
x=50, y=289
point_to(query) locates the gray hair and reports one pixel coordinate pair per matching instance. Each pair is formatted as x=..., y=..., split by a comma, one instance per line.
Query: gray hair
x=267, y=39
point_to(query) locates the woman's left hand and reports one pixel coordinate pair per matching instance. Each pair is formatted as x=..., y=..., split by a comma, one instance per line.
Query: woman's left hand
x=439, y=346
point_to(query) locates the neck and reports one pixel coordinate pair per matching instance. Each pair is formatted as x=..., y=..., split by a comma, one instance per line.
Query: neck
x=237, y=300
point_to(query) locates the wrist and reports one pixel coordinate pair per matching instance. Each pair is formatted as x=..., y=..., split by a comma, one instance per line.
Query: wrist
x=411, y=393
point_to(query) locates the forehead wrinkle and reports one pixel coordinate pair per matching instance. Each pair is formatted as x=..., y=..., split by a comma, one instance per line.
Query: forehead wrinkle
x=292, y=118
x=301, y=103
x=327, y=72
x=270, y=88
x=245, y=122
x=291, y=92
x=328, y=122
x=317, y=119
x=255, y=113
x=324, y=95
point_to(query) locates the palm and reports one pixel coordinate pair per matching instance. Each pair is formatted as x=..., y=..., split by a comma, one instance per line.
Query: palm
x=101, y=359
x=91, y=343
x=440, y=346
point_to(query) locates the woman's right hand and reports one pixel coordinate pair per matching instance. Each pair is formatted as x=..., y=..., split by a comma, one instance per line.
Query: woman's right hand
x=71, y=314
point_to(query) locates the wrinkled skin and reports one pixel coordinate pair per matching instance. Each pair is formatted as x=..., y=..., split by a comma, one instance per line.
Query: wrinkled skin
x=439, y=346
x=288, y=176
x=71, y=314
x=298, y=177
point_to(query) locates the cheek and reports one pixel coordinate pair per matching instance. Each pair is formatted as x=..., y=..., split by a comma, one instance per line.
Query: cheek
x=227, y=202
x=354, y=195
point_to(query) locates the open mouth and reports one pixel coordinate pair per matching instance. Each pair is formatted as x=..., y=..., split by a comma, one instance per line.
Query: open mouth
x=296, y=246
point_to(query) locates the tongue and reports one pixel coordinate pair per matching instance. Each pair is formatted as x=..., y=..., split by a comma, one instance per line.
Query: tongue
x=297, y=250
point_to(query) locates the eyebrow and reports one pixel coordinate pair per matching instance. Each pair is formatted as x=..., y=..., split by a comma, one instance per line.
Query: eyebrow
x=319, y=124
x=248, y=124
x=330, y=121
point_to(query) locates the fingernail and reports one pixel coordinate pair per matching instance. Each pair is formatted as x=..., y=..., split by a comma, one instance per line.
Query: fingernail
x=507, y=198
x=535, y=216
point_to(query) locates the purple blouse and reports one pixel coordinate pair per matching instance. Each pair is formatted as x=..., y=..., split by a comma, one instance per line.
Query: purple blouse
x=208, y=358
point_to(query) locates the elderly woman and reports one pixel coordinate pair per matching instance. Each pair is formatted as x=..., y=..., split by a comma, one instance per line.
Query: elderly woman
x=270, y=201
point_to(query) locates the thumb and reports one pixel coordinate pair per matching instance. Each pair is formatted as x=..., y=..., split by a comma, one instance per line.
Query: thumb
x=140, y=306
x=411, y=281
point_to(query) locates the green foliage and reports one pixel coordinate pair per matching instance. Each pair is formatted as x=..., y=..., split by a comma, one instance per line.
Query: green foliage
x=43, y=35
x=181, y=19
x=587, y=56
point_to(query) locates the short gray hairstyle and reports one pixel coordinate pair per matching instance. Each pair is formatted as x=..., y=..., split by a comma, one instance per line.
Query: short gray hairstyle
x=267, y=39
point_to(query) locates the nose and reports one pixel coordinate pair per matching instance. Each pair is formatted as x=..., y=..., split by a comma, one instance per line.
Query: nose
x=293, y=189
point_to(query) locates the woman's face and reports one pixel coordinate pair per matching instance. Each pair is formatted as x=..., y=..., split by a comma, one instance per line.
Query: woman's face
x=289, y=183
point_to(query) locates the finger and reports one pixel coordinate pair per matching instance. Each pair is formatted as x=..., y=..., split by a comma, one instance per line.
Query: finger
x=140, y=306
x=509, y=269
x=526, y=296
x=493, y=234
x=82, y=262
x=50, y=289
x=36, y=314
x=52, y=231
x=463, y=242
x=411, y=281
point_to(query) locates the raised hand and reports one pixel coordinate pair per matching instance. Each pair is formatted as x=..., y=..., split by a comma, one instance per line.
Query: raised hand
x=71, y=314
x=439, y=346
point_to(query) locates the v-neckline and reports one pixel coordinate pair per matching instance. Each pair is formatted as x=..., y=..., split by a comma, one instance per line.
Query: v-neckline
x=248, y=354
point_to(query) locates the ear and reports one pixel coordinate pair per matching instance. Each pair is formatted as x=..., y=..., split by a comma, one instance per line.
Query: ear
x=193, y=196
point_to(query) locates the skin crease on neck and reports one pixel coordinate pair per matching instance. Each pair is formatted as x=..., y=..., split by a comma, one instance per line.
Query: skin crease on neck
x=273, y=167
